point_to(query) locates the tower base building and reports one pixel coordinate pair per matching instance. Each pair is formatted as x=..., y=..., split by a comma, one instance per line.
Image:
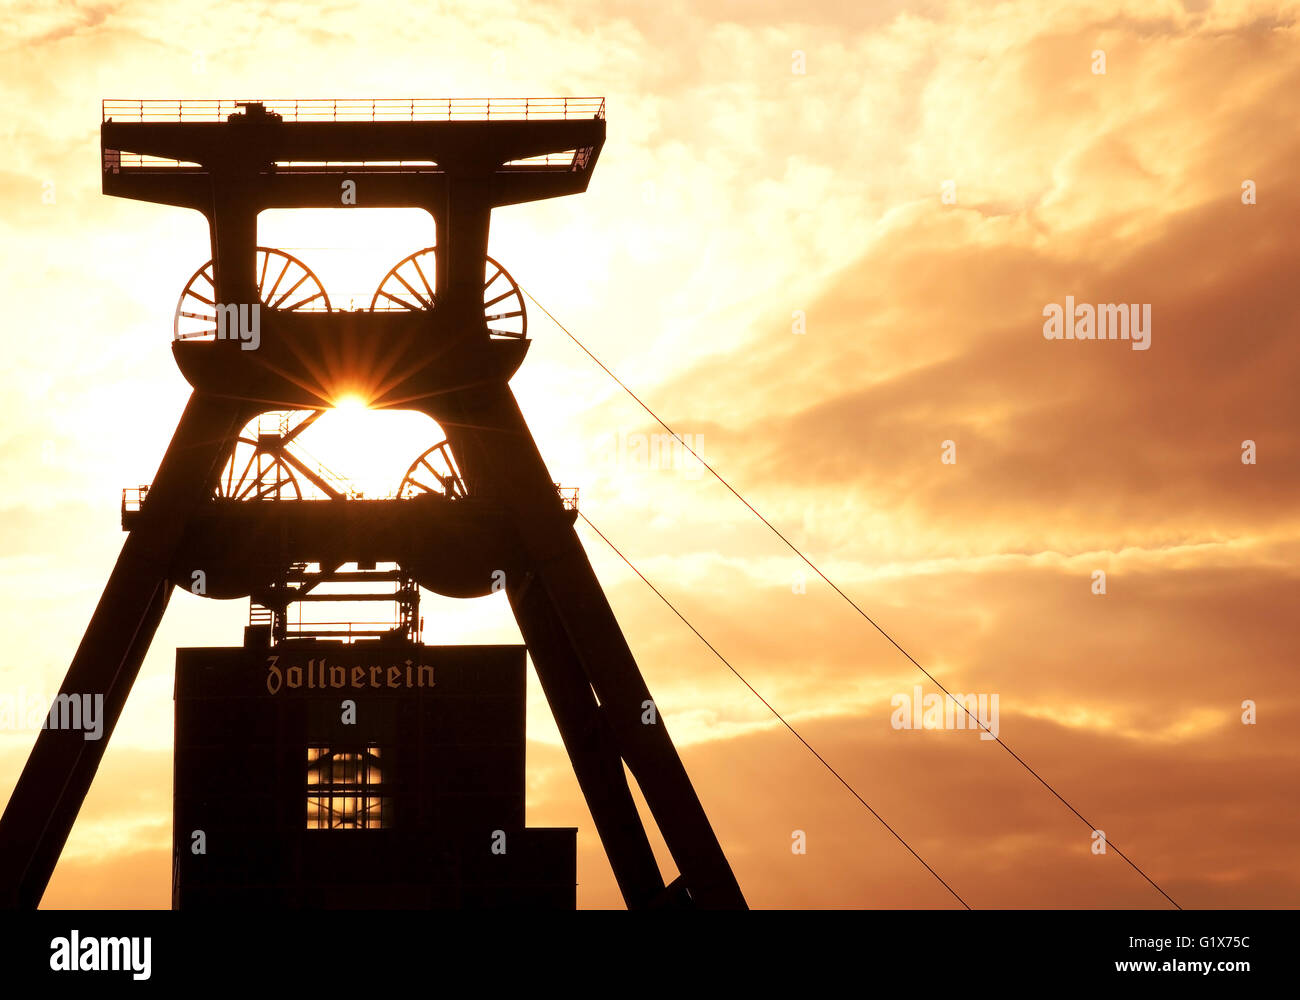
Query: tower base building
x=324, y=775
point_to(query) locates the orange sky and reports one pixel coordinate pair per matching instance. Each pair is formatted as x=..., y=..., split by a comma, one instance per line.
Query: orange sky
x=731, y=193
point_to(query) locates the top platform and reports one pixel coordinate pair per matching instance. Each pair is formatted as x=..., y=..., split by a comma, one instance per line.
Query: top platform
x=291, y=153
x=423, y=109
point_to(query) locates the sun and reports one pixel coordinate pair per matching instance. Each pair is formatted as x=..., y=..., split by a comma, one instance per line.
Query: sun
x=369, y=449
x=350, y=403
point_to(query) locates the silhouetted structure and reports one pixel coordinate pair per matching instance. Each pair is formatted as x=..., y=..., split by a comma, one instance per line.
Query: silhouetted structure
x=418, y=802
x=228, y=516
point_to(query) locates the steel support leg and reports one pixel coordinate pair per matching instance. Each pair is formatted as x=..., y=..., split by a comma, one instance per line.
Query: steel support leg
x=58, y=774
x=494, y=447
x=596, y=761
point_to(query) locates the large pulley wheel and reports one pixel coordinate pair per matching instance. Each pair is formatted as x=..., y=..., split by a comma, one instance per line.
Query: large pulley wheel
x=410, y=285
x=435, y=472
x=256, y=472
x=283, y=282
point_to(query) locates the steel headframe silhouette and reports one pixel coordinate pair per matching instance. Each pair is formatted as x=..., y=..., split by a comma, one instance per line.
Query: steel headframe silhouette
x=440, y=345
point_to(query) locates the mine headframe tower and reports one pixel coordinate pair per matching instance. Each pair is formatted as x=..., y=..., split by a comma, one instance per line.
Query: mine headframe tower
x=445, y=332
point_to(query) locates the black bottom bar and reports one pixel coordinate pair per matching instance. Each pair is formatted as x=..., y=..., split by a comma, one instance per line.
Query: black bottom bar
x=921, y=953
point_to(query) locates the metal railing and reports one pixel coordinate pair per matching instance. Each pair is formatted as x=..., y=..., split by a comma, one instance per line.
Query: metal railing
x=345, y=630
x=133, y=499
x=453, y=109
x=473, y=489
x=361, y=109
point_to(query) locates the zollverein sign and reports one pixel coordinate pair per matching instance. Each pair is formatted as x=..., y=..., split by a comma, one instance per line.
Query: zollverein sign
x=319, y=673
